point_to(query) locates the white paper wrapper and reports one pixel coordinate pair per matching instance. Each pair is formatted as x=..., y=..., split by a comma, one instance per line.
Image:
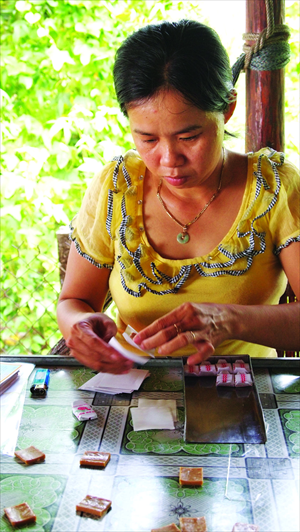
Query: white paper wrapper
x=239, y=366
x=223, y=366
x=245, y=527
x=126, y=353
x=225, y=379
x=159, y=403
x=191, y=370
x=243, y=379
x=83, y=411
x=145, y=418
x=207, y=370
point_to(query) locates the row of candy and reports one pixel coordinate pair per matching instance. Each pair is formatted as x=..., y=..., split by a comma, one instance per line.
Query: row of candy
x=222, y=366
x=238, y=380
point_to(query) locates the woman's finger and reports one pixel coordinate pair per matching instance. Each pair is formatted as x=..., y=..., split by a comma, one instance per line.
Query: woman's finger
x=100, y=365
x=92, y=351
x=205, y=350
x=184, y=318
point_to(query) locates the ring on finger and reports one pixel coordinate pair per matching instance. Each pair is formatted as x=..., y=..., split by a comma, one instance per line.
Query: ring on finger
x=177, y=329
x=193, y=337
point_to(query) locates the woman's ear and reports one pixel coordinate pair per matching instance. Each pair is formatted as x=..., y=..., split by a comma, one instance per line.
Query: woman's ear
x=231, y=107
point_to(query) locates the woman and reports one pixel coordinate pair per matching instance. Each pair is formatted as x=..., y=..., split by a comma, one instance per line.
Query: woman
x=195, y=242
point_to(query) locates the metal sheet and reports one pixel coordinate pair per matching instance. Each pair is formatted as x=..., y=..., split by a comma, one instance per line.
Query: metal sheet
x=215, y=414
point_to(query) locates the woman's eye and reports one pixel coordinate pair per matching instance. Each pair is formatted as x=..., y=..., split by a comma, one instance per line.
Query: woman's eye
x=193, y=137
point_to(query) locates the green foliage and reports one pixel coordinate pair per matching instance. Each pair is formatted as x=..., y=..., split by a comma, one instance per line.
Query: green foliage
x=60, y=123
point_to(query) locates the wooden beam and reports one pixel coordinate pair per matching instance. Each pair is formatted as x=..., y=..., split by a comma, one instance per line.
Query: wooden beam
x=264, y=89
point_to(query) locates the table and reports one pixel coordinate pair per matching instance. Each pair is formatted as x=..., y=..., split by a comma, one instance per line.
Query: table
x=242, y=482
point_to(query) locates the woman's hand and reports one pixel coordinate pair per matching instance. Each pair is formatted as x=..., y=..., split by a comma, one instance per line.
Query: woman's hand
x=88, y=342
x=204, y=325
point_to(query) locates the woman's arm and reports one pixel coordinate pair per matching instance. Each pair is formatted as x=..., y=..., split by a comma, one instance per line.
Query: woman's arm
x=276, y=326
x=85, y=328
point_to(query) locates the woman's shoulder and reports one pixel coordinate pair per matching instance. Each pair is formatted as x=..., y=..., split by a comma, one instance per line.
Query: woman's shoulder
x=117, y=175
x=268, y=162
x=117, y=169
x=273, y=175
x=274, y=182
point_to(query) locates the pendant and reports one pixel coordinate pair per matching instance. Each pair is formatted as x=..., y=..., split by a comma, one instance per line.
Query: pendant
x=183, y=238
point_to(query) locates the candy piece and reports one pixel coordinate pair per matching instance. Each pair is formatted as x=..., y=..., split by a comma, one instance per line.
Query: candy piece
x=245, y=527
x=93, y=505
x=191, y=476
x=208, y=369
x=20, y=515
x=192, y=524
x=223, y=366
x=191, y=370
x=239, y=366
x=225, y=379
x=83, y=410
x=30, y=455
x=168, y=528
x=95, y=459
x=243, y=379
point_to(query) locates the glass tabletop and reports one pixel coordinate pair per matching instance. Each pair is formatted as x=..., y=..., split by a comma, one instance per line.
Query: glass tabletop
x=250, y=483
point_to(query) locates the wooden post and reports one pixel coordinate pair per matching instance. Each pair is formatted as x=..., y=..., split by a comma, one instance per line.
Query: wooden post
x=264, y=89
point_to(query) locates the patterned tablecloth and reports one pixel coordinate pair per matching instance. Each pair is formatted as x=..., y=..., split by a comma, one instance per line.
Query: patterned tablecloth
x=246, y=483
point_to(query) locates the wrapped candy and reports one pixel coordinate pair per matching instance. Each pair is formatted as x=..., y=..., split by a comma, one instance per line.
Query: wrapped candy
x=191, y=370
x=225, y=379
x=245, y=527
x=208, y=370
x=223, y=366
x=243, y=379
x=239, y=366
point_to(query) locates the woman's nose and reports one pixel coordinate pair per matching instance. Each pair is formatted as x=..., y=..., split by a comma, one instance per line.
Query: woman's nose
x=171, y=156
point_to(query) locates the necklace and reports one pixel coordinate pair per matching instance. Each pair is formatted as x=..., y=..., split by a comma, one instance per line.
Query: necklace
x=184, y=237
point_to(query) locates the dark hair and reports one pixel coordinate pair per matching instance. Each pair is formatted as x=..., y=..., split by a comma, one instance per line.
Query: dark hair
x=186, y=56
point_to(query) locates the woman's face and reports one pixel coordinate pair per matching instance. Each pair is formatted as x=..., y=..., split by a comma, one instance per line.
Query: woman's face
x=178, y=142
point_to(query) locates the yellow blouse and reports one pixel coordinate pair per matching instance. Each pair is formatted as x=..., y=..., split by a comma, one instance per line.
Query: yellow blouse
x=243, y=269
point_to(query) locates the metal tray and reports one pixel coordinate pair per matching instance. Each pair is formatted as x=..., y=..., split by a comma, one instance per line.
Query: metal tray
x=216, y=414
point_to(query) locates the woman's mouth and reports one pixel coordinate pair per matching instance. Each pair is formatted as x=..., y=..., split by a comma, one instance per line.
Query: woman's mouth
x=175, y=181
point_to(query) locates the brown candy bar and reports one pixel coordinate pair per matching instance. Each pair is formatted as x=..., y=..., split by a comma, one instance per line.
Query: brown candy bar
x=93, y=505
x=192, y=524
x=95, y=459
x=191, y=476
x=30, y=455
x=245, y=527
x=20, y=515
x=168, y=528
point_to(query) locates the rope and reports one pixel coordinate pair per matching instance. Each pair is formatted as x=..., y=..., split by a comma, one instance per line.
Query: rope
x=270, y=50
